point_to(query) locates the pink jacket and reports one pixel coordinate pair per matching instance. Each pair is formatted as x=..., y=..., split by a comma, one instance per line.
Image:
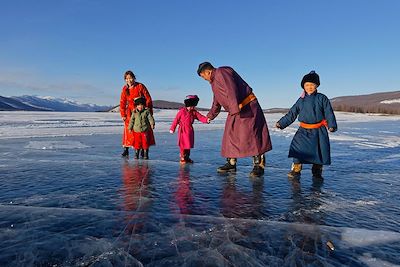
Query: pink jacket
x=185, y=120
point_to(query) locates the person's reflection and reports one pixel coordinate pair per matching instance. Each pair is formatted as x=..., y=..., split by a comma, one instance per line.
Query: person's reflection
x=304, y=207
x=136, y=194
x=183, y=194
x=239, y=204
x=304, y=210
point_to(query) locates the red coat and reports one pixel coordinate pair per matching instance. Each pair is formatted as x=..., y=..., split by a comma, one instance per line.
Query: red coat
x=185, y=120
x=135, y=188
x=126, y=105
x=246, y=131
x=184, y=195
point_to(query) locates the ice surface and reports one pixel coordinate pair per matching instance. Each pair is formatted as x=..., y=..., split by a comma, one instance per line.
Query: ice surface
x=68, y=199
x=55, y=145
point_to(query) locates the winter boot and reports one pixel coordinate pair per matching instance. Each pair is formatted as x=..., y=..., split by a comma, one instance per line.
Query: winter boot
x=182, y=157
x=316, y=170
x=142, y=153
x=126, y=152
x=229, y=166
x=187, y=157
x=182, y=160
x=258, y=166
x=137, y=153
x=146, y=154
x=295, y=172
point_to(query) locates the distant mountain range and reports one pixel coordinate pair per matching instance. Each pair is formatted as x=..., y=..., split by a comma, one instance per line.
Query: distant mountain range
x=36, y=103
x=387, y=103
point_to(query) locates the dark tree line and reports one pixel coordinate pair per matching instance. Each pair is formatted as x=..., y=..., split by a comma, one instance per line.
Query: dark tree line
x=379, y=108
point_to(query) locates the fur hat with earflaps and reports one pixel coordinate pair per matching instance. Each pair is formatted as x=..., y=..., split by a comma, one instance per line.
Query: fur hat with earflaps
x=191, y=100
x=312, y=77
x=140, y=101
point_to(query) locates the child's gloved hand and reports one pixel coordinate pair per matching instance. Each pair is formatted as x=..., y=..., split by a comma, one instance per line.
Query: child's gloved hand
x=170, y=131
x=277, y=125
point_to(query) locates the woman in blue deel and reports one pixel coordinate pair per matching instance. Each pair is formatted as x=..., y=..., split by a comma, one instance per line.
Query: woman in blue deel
x=310, y=144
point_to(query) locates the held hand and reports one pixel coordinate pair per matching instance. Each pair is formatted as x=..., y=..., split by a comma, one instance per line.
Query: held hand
x=170, y=131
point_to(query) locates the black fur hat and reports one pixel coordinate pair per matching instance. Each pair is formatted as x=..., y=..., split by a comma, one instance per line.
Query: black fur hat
x=140, y=101
x=312, y=77
x=191, y=100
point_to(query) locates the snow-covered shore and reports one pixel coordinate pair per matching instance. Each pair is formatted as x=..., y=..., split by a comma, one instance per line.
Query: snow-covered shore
x=52, y=124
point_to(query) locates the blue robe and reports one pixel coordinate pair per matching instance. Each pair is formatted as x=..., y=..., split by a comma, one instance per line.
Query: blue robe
x=311, y=145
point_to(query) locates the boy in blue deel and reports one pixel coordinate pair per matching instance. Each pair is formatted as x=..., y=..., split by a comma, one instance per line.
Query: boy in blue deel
x=310, y=144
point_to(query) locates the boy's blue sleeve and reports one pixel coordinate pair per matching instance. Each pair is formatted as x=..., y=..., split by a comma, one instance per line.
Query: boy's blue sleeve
x=291, y=116
x=329, y=114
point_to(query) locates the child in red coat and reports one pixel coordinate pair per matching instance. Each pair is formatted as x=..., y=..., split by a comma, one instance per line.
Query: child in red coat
x=185, y=119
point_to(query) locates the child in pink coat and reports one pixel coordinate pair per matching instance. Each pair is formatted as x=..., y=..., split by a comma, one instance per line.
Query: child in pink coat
x=185, y=119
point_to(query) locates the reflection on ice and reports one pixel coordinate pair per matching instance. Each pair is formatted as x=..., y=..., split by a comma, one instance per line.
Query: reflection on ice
x=77, y=203
x=92, y=237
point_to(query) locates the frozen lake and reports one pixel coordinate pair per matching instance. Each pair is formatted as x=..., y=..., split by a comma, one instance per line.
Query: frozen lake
x=67, y=198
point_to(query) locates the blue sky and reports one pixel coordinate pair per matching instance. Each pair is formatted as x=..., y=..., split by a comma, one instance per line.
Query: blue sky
x=80, y=49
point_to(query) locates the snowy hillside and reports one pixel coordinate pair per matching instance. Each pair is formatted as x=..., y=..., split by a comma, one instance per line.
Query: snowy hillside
x=37, y=103
x=388, y=103
x=10, y=104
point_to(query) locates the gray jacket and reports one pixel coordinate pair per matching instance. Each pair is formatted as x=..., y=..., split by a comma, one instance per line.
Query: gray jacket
x=141, y=121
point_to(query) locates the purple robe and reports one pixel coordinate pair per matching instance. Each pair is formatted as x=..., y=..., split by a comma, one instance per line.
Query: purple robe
x=246, y=131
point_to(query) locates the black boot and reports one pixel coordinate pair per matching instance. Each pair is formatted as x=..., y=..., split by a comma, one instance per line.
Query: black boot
x=317, y=171
x=142, y=153
x=187, y=156
x=145, y=154
x=137, y=153
x=126, y=152
x=229, y=166
x=259, y=165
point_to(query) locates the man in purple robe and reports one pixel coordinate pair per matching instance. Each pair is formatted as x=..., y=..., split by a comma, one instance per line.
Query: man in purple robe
x=246, y=131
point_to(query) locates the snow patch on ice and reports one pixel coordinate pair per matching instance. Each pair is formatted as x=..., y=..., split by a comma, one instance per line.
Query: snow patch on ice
x=55, y=145
x=390, y=158
x=371, y=261
x=345, y=204
x=366, y=202
x=356, y=237
x=347, y=138
x=384, y=142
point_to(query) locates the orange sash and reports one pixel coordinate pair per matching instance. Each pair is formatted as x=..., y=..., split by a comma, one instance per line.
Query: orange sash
x=247, y=100
x=314, y=125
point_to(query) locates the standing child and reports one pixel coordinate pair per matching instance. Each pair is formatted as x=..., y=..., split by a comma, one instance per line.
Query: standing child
x=141, y=122
x=310, y=144
x=185, y=119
